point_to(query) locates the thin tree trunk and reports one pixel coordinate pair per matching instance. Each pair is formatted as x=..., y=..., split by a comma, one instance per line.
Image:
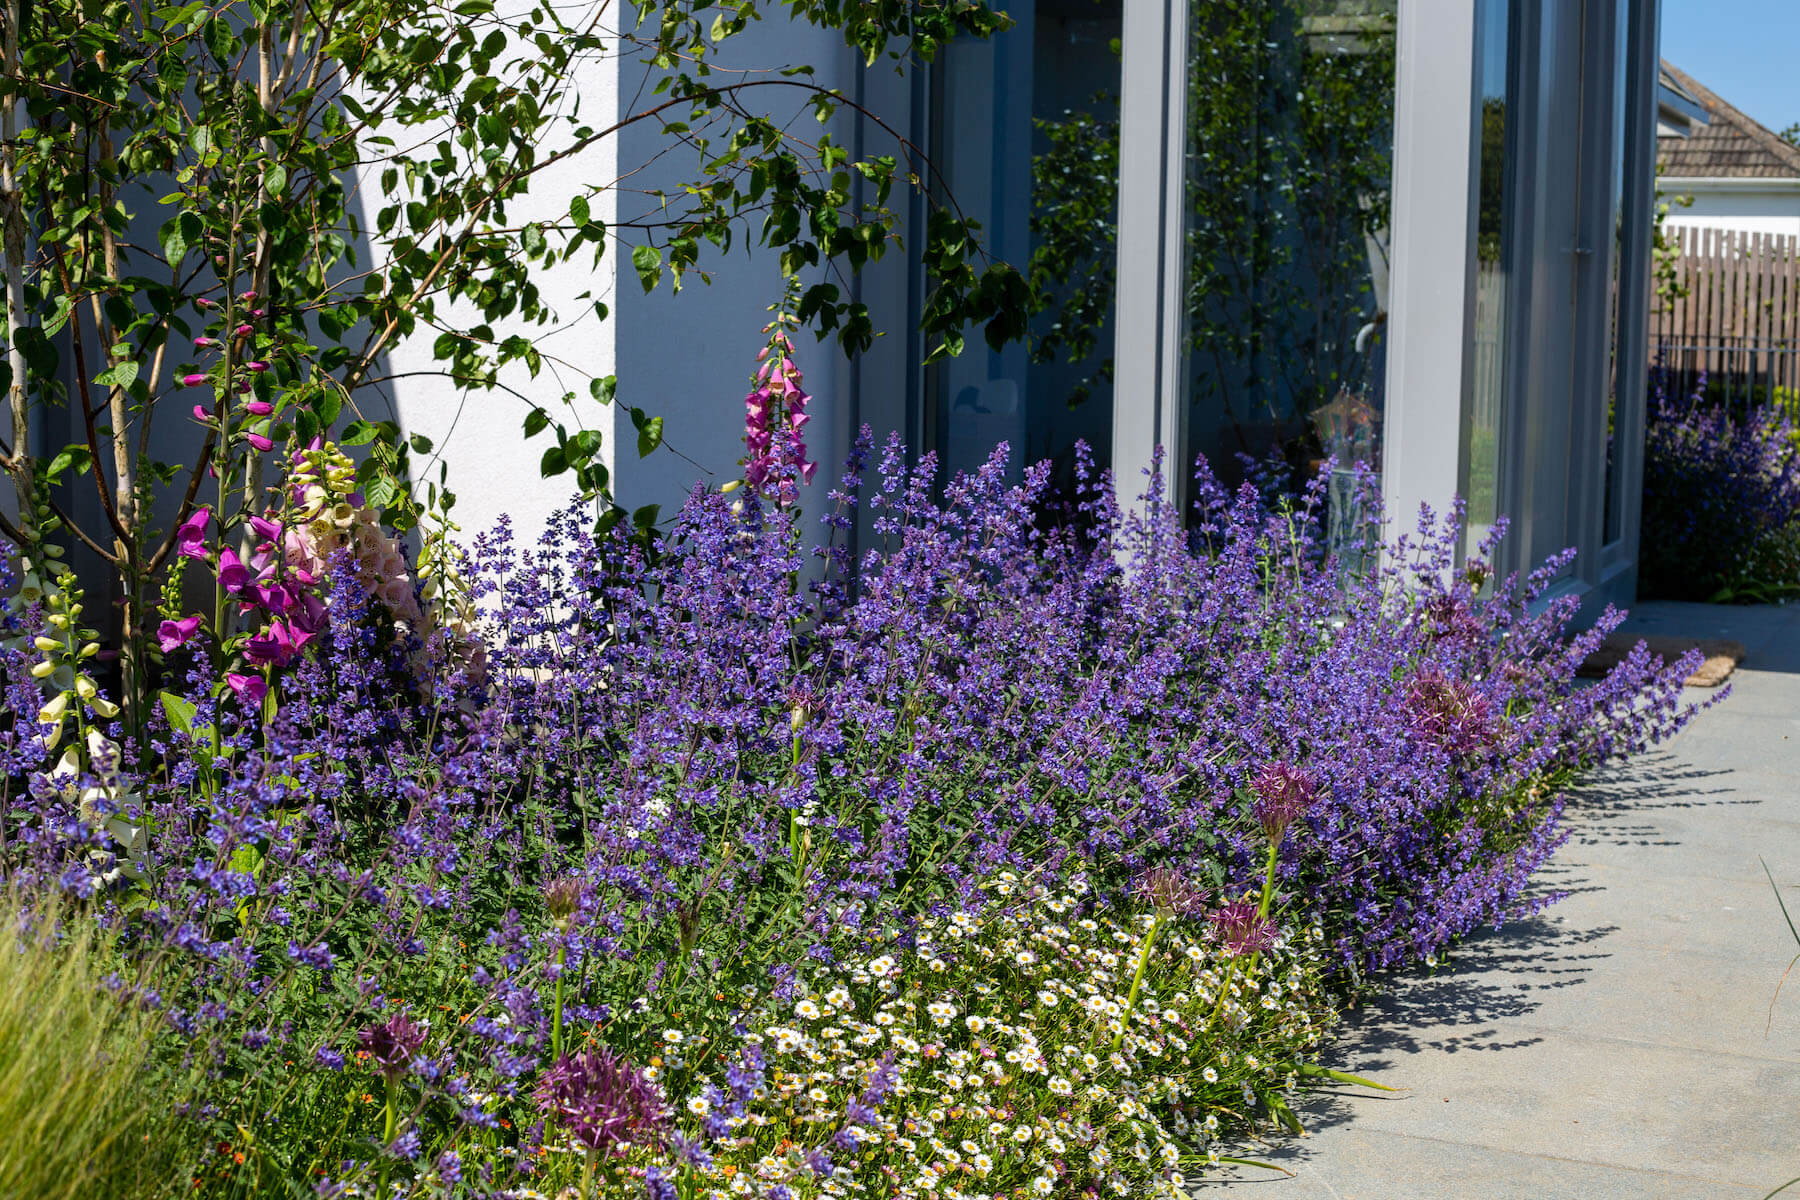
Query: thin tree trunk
x=12, y=245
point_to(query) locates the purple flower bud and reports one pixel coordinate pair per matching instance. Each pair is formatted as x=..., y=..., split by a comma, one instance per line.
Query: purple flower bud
x=258, y=408
x=205, y=343
x=260, y=442
x=193, y=380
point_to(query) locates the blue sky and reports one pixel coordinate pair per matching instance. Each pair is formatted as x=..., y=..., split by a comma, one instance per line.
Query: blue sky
x=1748, y=51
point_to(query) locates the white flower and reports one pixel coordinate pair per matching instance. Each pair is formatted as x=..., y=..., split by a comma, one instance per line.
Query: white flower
x=807, y=1009
x=698, y=1106
x=881, y=966
x=672, y=1036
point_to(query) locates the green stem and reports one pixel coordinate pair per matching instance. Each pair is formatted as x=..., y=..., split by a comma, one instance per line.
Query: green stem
x=556, y=1018
x=1137, y=978
x=387, y=1139
x=587, y=1177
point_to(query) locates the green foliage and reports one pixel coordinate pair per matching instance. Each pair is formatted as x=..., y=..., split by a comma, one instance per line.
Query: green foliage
x=78, y=1120
x=189, y=173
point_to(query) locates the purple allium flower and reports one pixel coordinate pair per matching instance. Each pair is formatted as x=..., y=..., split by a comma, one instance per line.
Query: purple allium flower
x=1451, y=712
x=606, y=1103
x=392, y=1044
x=1241, y=929
x=1171, y=891
x=1284, y=794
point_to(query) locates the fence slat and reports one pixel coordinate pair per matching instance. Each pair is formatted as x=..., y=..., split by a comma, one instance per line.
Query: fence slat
x=1735, y=314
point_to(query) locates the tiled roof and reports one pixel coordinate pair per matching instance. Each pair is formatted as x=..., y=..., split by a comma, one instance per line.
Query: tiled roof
x=1733, y=146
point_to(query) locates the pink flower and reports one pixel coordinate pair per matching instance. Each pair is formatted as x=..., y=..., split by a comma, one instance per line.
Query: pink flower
x=192, y=380
x=258, y=408
x=257, y=366
x=276, y=646
x=233, y=575
x=205, y=343
x=202, y=413
x=172, y=635
x=265, y=528
x=249, y=688
x=190, y=535
x=203, y=302
x=243, y=331
x=260, y=442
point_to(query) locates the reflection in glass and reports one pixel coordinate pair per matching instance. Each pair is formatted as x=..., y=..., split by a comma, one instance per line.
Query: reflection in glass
x=1622, y=225
x=1485, y=403
x=1043, y=179
x=1288, y=175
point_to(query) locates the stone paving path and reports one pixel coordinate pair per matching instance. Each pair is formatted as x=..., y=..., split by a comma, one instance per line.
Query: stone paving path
x=1620, y=1044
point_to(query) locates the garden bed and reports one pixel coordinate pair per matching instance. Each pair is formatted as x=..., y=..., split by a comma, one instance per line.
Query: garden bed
x=1029, y=851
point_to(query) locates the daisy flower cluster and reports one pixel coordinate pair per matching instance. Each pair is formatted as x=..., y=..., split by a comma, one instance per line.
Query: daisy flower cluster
x=1007, y=1054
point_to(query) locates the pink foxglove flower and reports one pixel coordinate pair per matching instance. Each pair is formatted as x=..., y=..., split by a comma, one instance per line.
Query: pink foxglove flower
x=193, y=380
x=258, y=408
x=190, y=535
x=172, y=635
x=233, y=575
x=250, y=689
x=260, y=442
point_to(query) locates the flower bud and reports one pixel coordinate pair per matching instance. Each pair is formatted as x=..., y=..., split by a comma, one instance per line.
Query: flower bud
x=192, y=380
x=44, y=643
x=52, y=713
x=42, y=670
x=85, y=687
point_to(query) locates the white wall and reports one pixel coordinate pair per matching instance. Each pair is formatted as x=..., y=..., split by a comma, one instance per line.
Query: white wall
x=1749, y=209
x=687, y=358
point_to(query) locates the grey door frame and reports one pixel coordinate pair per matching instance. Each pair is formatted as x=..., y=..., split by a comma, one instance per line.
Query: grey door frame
x=1149, y=391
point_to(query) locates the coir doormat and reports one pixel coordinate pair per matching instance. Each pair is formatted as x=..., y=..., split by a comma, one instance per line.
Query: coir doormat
x=1722, y=655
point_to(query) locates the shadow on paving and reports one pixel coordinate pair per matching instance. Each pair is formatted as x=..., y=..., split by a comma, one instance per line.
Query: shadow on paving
x=1476, y=1000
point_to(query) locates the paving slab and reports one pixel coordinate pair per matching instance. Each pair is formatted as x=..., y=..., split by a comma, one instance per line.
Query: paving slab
x=1628, y=1041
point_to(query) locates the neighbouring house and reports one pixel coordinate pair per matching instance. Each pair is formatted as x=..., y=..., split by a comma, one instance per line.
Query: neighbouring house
x=1739, y=175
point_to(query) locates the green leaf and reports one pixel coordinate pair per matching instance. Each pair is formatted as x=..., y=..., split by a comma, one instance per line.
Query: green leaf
x=536, y=421
x=59, y=317
x=554, y=462
x=579, y=211
x=649, y=431
x=359, y=433
x=180, y=711
x=275, y=179
x=648, y=261
x=74, y=458
x=119, y=375
x=1345, y=1077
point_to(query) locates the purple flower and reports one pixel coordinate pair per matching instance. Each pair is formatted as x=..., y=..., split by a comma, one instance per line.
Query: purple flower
x=194, y=380
x=250, y=689
x=393, y=1044
x=233, y=574
x=1171, y=892
x=260, y=442
x=605, y=1103
x=1284, y=794
x=172, y=635
x=190, y=535
x=1241, y=930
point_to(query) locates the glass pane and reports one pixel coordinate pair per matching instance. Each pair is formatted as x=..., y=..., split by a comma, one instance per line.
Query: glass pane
x=1288, y=177
x=1042, y=178
x=1485, y=405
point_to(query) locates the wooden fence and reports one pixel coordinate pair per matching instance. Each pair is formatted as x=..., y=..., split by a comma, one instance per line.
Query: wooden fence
x=1739, y=321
